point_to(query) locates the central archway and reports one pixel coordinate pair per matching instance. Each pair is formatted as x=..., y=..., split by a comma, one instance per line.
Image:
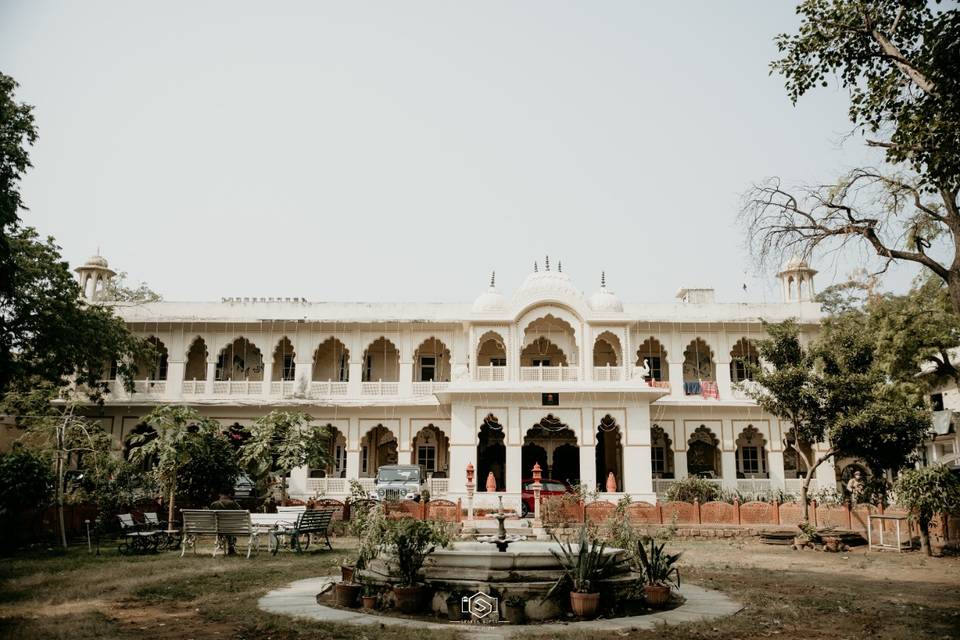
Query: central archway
x=609, y=453
x=553, y=445
x=491, y=454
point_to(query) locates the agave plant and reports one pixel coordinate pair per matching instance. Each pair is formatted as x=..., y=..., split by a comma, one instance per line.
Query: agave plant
x=583, y=566
x=657, y=566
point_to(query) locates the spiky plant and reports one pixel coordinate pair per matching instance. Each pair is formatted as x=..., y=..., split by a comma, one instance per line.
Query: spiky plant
x=583, y=567
x=657, y=566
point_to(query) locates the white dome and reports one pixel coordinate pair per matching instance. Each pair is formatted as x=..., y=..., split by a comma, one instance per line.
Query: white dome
x=96, y=261
x=605, y=300
x=490, y=301
x=553, y=285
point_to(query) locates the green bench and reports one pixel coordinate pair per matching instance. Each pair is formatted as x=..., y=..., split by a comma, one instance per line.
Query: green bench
x=310, y=522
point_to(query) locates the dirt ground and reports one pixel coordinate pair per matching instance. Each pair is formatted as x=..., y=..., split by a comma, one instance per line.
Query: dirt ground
x=786, y=594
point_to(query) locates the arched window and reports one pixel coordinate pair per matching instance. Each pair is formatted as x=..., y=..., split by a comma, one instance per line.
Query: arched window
x=661, y=453
x=491, y=454
x=381, y=361
x=284, y=359
x=653, y=352
x=744, y=358
x=752, y=454
x=331, y=362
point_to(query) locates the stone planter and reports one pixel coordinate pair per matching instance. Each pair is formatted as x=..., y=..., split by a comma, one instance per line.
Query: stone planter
x=584, y=605
x=656, y=595
x=370, y=602
x=410, y=599
x=347, y=594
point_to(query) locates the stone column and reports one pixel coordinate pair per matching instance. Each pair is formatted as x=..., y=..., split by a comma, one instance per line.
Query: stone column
x=406, y=378
x=297, y=482
x=588, y=467
x=268, y=376
x=463, y=448
x=175, y=369
x=356, y=375
x=637, y=470
x=211, y=373
x=728, y=466
x=775, y=469
x=724, y=385
x=302, y=376
x=826, y=475
x=680, y=464
x=676, y=378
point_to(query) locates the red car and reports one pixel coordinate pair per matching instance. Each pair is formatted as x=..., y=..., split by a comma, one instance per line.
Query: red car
x=550, y=488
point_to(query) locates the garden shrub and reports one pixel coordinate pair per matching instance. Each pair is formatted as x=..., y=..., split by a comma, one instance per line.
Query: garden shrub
x=690, y=489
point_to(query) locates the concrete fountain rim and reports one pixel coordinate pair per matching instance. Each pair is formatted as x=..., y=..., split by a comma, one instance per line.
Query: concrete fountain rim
x=299, y=600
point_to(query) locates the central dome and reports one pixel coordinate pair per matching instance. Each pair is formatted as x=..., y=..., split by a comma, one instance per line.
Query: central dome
x=554, y=285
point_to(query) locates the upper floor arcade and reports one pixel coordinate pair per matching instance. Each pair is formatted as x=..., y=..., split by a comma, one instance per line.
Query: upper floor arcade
x=548, y=336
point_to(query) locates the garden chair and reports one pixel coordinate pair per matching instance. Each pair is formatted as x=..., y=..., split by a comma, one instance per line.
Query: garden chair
x=136, y=539
x=311, y=521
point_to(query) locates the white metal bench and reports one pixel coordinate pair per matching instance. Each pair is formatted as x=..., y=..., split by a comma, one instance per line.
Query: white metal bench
x=220, y=523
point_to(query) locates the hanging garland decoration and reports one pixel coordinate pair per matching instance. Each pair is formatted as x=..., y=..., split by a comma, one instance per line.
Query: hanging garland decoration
x=551, y=423
x=607, y=423
x=492, y=422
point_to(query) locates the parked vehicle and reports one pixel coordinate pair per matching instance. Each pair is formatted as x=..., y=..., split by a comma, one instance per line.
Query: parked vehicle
x=550, y=488
x=399, y=482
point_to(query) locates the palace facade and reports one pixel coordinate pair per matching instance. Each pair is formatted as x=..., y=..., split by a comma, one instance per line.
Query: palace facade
x=622, y=398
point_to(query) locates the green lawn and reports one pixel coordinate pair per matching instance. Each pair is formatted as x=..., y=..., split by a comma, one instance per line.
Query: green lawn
x=787, y=595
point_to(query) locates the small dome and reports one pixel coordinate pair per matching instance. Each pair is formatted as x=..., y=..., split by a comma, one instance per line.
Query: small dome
x=96, y=261
x=491, y=300
x=547, y=284
x=605, y=300
x=796, y=263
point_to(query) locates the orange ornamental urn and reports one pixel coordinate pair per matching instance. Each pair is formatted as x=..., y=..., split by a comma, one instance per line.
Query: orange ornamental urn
x=611, y=483
x=469, y=473
x=491, y=482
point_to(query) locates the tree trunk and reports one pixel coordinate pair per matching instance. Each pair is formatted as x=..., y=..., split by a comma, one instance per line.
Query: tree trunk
x=805, y=487
x=173, y=492
x=953, y=287
x=59, y=493
x=925, y=535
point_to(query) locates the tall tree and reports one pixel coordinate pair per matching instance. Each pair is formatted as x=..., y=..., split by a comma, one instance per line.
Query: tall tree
x=834, y=395
x=282, y=441
x=899, y=61
x=927, y=492
x=176, y=433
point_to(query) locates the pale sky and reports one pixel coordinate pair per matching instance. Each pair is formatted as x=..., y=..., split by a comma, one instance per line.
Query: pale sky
x=391, y=151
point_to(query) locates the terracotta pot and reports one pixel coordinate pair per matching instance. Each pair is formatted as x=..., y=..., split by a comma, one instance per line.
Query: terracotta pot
x=584, y=605
x=347, y=594
x=410, y=599
x=346, y=573
x=369, y=602
x=454, y=611
x=516, y=614
x=656, y=595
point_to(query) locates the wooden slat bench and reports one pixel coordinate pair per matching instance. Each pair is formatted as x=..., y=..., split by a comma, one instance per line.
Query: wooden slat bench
x=219, y=523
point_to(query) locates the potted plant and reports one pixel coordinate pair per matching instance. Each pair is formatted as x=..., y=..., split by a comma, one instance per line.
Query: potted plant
x=659, y=572
x=454, y=610
x=515, y=610
x=347, y=593
x=369, y=596
x=410, y=542
x=582, y=568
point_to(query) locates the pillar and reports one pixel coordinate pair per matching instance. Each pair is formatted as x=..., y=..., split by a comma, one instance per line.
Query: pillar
x=676, y=378
x=175, y=371
x=775, y=469
x=302, y=376
x=355, y=376
x=406, y=378
x=588, y=467
x=724, y=384
x=826, y=475
x=297, y=483
x=637, y=469
x=463, y=449
x=728, y=469
x=353, y=463
x=680, y=464
x=268, y=375
x=211, y=373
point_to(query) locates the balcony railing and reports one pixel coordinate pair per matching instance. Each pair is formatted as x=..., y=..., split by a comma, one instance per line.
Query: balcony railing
x=704, y=388
x=284, y=388
x=428, y=388
x=379, y=388
x=237, y=388
x=608, y=374
x=491, y=373
x=327, y=389
x=327, y=486
x=194, y=387
x=548, y=374
x=741, y=390
x=754, y=485
x=152, y=387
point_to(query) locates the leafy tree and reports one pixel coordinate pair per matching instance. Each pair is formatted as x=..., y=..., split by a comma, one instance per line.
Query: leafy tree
x=57, y=430
x=48, y=335
x=282, y=441
x=117, y=290
x=26, y=480
x=212, y=468
x=899, y=63
x=177, y=432
x=927, y=492
x=834, y=394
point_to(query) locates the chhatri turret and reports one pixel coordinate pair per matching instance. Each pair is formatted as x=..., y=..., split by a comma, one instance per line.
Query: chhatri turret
x=796, y=280
x=93, y=277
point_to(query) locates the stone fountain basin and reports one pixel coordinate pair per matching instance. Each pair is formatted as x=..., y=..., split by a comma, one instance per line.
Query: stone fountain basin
x=519, y=556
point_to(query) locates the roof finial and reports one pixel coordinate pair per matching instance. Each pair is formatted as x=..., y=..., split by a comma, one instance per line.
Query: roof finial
x=603, y=279
x=493, y=279
x=560, y=266
x=535, y=270
x=548, y=263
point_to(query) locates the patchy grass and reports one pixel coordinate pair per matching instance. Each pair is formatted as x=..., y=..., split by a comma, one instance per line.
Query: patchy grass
x=786, y=594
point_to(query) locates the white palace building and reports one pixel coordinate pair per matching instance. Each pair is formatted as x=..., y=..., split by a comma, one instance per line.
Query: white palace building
x=587, y=386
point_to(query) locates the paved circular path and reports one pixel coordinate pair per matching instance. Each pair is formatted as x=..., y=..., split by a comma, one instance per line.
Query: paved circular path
x=299, y=600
